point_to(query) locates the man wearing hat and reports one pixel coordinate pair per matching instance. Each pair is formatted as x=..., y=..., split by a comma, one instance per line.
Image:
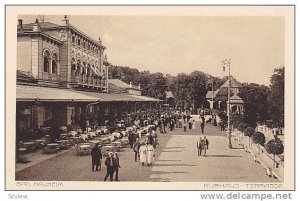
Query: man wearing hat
x=96, y=157
x=110, y=163
x=117, y=166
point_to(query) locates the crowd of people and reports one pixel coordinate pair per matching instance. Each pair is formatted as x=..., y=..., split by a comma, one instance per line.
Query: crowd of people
x=144, y=146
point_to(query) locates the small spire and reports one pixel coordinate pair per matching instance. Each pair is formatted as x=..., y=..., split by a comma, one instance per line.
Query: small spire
x=66, y=19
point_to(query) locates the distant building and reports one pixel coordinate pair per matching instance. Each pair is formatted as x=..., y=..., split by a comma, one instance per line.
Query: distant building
x=219, y=97
x=116, y=85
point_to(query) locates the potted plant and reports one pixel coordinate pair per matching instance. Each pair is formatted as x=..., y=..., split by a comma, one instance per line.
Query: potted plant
x=249, y=132
x=258, y=138
x=275, y=147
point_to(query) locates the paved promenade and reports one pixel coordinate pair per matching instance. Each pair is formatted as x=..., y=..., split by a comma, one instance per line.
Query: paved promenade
x=176, y=160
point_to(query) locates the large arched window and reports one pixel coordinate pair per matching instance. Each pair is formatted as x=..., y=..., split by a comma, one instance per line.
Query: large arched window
x=78, y=41
x=46, y=61
x=78, y=70
x=83, y=68
x=88, y=70
x=54, y=63
x=73, y=66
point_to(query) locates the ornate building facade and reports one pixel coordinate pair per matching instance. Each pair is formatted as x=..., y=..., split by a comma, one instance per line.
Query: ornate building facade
x=62, y=79
x=61, y=55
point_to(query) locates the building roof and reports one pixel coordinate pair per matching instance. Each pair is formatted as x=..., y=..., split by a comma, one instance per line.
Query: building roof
x=145, y=98
x=35, y=93
x=236, y=99
x=46, y=94
x=233, y=83
x=43, y=25
x=120, y=84
x=209, y=94
x=47, y=26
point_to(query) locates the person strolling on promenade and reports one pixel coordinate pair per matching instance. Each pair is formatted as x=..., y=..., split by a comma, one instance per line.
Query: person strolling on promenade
x=117, y=166
x=110, y=163
x=143, y=153
x=150, y=154
x=202, y=126
x=200, y=146
x=136, y=147
x=194, y=125
x=96, y=157
x=184, y=126
x=205, y=145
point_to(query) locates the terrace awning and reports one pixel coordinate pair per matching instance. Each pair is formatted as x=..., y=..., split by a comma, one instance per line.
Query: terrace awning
x=47, y=94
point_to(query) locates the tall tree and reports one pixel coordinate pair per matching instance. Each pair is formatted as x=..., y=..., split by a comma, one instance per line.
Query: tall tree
x=198, y=89
x=158, y=86
x=276, y=97
x=255, y=99
x=181, y=90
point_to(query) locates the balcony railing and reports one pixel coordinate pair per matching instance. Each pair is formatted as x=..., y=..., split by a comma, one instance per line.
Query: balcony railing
x=88, y=81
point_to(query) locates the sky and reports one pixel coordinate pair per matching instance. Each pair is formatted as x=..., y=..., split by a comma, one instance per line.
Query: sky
x=182, y=44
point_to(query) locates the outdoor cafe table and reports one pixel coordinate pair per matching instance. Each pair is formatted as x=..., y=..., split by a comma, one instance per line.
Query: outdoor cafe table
x=62, y=141
x=124, y=141
x=53, y=145
x=117, y=145
x=64, y=144
x=63, y=136
x=107, y=149
x=83, y=149
x=73, y=133
x=84, y=136
x=95, y=141
x=30, y=146
x=40, y=143
x=51, y=148
x=92, y=133
x=74, y=140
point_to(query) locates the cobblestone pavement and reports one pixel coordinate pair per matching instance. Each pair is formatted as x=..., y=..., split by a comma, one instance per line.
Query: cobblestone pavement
x=176, y=160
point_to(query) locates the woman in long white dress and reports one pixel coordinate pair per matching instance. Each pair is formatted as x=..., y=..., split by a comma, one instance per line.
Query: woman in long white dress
x=194, y=124
x=150, y=154
x=143, y=153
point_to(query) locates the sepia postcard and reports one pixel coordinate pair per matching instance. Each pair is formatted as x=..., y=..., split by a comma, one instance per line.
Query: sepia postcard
x=150, y=97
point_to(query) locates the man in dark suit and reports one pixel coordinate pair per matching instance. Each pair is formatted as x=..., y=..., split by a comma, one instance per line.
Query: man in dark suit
x=202, y=126
x=205, y=145
x=96, y=157
x=117, y=166
x=110, y=163
x=131, y=139
x=136, y=147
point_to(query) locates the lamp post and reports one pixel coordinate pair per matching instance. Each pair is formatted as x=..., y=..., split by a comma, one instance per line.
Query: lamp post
x=226, y=63
x=212, y=89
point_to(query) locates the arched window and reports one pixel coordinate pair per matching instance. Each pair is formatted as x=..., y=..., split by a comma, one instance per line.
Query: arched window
x=73, y=66
x=78, y=70
x=54, y=63
x=73, y=39
x=46, y=61
x=84, y=44
x=78, y=41
x=83, y=68
x=88, y=70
